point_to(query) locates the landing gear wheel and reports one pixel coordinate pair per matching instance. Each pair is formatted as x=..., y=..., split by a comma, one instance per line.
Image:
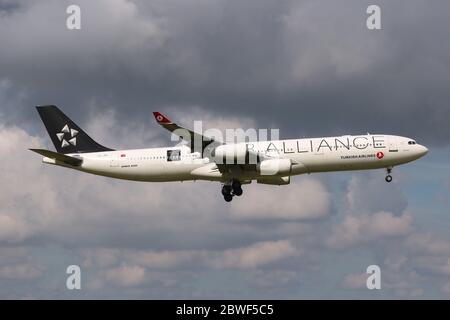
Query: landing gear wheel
x=228, y=197
x=236, y=184
x=237, y=187
x=238, y=192
x=226, y=190
x=388, y=176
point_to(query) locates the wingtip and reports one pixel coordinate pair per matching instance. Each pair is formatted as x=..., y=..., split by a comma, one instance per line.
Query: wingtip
x=160, y=118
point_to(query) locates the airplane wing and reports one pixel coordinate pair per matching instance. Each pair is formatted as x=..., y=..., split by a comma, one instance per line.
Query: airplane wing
x=58, y=156
x=197, y=141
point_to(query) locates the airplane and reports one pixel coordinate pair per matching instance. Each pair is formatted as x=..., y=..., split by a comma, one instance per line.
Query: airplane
x=204, y=158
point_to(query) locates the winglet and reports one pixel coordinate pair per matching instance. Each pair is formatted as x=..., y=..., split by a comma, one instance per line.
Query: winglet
x=161, y=119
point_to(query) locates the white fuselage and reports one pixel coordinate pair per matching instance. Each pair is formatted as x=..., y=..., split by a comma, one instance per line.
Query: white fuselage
x=307, y=156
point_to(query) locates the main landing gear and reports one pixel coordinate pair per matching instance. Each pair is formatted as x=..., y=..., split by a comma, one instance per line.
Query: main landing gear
x=388, y=176
x=233, y=188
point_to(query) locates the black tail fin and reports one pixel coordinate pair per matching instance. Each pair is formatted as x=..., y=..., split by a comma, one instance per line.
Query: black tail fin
x=65, y=134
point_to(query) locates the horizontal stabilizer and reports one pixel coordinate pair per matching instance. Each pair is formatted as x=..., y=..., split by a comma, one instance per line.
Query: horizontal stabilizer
x=59, y=157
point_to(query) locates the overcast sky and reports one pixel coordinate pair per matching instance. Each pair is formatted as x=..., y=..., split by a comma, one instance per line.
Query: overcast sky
x=309, y=68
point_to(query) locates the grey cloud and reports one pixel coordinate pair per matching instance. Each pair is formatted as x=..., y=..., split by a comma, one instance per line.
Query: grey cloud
x=411, y=260
x=48, y=210
x=126, y=275
x=242, y=58
x=307, y=67
x=355, y=281
x=367, y=193
x=304, y=199
x=158, y=243
x=8, y=6
x=255, y=255
x=20, y=272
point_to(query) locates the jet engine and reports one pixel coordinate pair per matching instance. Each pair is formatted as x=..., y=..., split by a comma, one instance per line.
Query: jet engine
x=272, y=167
x=275, y=180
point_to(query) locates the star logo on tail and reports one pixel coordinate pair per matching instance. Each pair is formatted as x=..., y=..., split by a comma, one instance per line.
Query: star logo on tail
x=67, y=136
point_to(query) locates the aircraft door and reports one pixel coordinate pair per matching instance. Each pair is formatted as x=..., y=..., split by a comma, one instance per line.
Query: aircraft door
x=393, y=144
x=114, y=162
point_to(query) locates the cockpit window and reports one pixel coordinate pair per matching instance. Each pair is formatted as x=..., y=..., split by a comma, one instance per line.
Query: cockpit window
x=411, y=142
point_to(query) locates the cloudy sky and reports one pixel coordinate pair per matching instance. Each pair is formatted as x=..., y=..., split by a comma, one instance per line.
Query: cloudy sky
x=310, y=68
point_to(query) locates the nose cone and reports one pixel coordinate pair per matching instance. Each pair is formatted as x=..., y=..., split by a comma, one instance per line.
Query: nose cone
x=422, y=150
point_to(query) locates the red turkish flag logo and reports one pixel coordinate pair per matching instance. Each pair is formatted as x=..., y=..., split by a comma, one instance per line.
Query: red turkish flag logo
x=380, y=155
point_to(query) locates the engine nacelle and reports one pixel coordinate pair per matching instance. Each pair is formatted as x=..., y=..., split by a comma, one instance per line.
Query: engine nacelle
x=275, y=167
x=278, y=181
x=231, y=153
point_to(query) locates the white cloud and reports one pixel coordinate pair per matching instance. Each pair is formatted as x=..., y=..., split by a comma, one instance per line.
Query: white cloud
x=373, y=211
x=50, y=208
x=39, y=199
x=17, y=263
x=126, y=276
x=364, y=228
x=305, y=198
x=445, y=269
x=101, y=257
x=269, y=279
x=368, y=193
x=142, y=54
x=165, y=259
x=384, y=224
x=427, y=243
x=255, y=255
x=446, y=287
x=355, y=281
x=24, y=271
x=115, y=133
x=26, y=207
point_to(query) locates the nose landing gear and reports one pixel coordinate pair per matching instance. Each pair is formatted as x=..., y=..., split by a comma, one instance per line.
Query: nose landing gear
x=233, y=188
x=388, y=176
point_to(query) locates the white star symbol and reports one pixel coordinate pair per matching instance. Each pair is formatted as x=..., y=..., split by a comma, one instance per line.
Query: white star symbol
x=72, y=136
